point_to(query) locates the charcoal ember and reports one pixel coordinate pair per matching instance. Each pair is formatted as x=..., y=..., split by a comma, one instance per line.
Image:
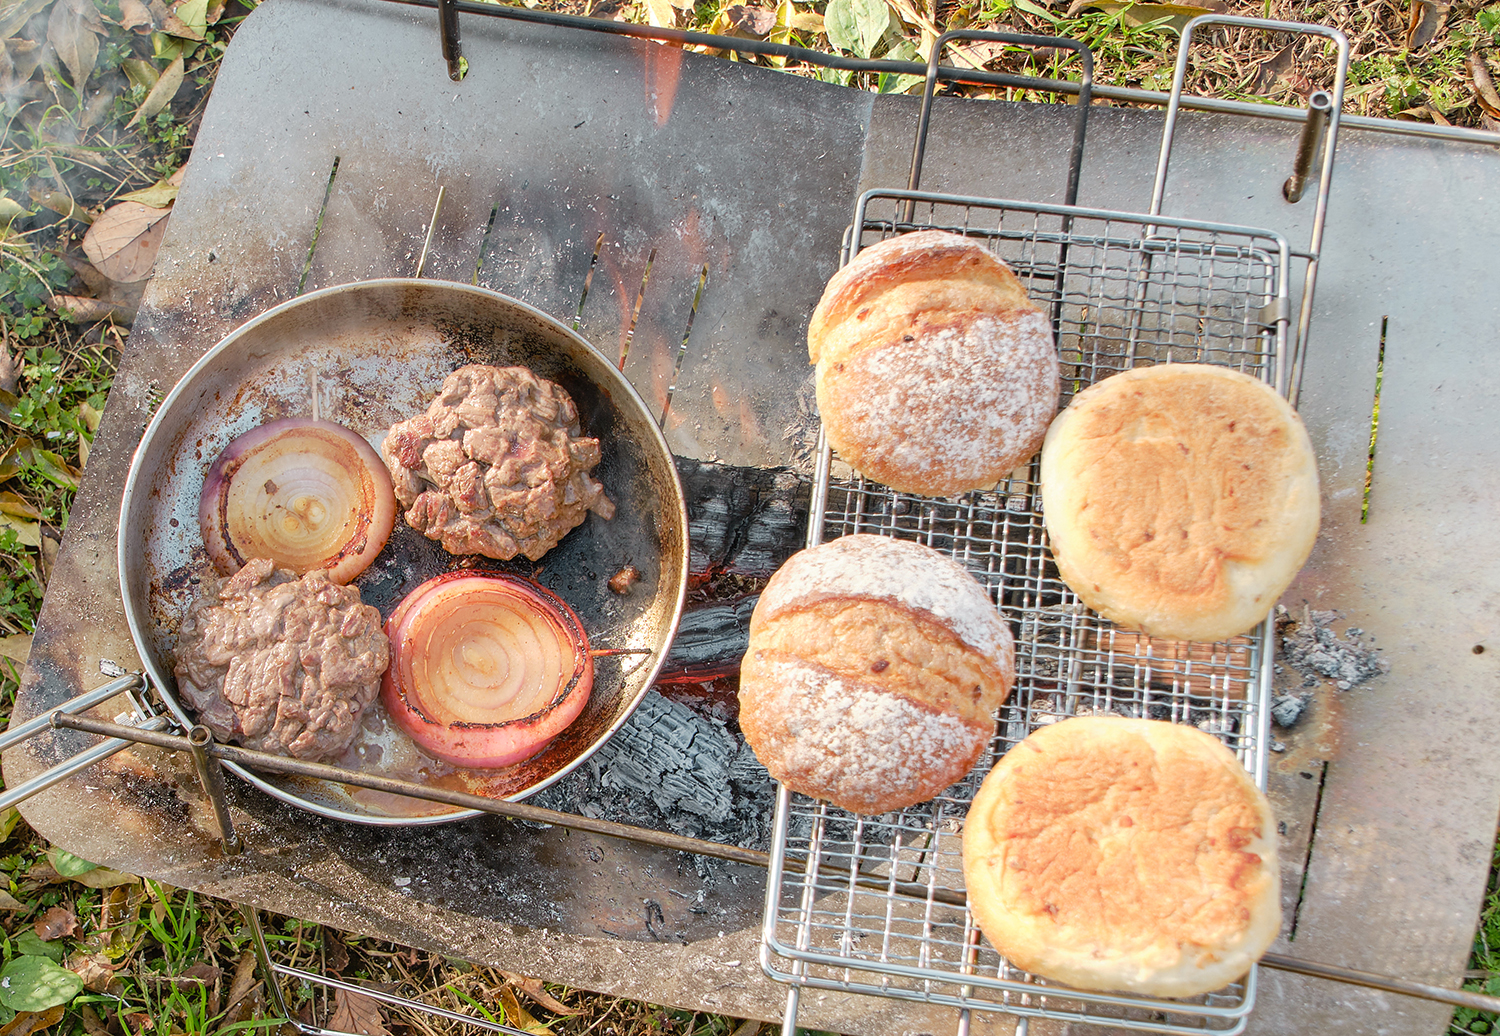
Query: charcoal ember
x=742, y=521
x=710, y=642
x=1312, y=647
x=670, y=768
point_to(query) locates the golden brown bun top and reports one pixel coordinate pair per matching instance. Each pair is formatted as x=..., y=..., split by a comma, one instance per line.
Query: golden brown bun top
x=905, y=573
x=1181, y=499
x=900, y=278
x=1124, y=853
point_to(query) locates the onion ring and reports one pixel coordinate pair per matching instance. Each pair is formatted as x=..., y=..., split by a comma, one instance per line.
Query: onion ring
x=486, y=670
x=305, y=494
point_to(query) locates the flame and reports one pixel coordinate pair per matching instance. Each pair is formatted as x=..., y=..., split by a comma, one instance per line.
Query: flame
x=663, y=67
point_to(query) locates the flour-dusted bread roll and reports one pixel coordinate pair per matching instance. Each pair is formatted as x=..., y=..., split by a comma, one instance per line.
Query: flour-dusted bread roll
x=1126, y=855
x=874, y=671
x=935, y=374
x=1180, y=500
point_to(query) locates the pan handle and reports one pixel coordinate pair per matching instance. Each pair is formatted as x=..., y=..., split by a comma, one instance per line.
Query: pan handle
x=138, y=717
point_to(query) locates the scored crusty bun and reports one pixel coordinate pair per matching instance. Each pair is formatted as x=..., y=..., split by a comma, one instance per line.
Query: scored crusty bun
x=935, y=374
x=1180, y=500
x=873, y=674
x=1125, y=855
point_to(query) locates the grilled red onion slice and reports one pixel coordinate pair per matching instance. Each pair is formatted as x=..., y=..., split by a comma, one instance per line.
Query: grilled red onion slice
x=305, y=494
x=485, y=669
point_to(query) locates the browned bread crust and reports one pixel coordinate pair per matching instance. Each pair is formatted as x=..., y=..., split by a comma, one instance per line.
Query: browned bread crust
x=1180, y=500
x=1127, y=855
x=873, y=674
x=935, y=373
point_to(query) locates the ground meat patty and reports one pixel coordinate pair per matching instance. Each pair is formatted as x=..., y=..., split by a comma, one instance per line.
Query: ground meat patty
x=496, y=466
x=281, y=664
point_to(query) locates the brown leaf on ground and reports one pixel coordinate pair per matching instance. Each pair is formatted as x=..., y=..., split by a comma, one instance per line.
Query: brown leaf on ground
x=202, y=972
x=749, y=1027
x=244, y=979
x=335, y=953
x=1425, y=19
x=532, y=987
x=136, y=16
x=57, y=922
x=92, y=1023
x=1484, y=85
x=355, y=1012
x=98, y=972
x=32, y=1021
x=756, y=21
x=7, y=901
x=78, y=309
x=122, y=243
x=1273, y=68
x=7, y=365
x=517, y=1016
x=73, y=29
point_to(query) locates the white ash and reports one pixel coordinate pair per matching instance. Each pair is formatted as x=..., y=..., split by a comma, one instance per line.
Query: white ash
x=1311, y=647
x=1287, y=709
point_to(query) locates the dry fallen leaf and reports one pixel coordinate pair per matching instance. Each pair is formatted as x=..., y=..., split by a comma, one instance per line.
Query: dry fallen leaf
x=162, y=92
x=57, y=922
x=122, y=243
x=7, y=366
x=28, y=1022
x=97, y=972
x=355, y=1012
x=532, y=987
x=244, y=979
x=93, y=1024
x=1484, y=86
x=7, y=901
x=79, y=309
x=135, y=16
x=1426, y=18
x=73, y=29
x=757, y=21
x=517, y=1016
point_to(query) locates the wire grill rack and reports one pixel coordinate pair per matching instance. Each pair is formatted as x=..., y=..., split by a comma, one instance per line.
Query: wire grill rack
x=875, y=904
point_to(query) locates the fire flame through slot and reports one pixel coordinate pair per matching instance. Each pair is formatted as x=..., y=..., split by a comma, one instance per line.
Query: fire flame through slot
x=682, y=347
x=635, y=314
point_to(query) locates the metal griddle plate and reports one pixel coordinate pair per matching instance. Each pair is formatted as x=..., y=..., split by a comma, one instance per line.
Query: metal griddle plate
x=579, y=144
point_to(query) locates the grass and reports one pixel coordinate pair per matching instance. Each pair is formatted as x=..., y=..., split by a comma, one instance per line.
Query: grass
x=106, y=106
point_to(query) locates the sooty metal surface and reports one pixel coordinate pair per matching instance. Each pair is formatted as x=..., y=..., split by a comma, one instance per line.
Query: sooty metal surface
x=701, y=204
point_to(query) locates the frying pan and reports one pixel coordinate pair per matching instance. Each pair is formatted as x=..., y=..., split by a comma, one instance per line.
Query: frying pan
x=375, y=353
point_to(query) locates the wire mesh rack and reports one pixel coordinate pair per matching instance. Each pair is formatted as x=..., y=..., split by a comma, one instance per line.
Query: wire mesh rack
x=1124, y=290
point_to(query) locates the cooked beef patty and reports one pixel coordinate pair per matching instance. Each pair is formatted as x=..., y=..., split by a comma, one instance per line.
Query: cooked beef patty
x=281, y=664
x=496, y=466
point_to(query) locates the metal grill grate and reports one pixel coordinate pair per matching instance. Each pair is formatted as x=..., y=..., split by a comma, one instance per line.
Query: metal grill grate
x=874, y=904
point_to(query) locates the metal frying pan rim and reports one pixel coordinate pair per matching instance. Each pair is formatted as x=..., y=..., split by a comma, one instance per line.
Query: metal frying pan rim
x=622, y=394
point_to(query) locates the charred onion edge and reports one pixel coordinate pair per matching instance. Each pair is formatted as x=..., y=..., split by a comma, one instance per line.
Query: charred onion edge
x=554, y=606
x=213, y=507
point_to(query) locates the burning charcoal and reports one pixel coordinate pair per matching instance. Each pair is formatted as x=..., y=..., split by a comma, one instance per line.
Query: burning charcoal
x=671, y=769
x=710, y=642
x=744, y=521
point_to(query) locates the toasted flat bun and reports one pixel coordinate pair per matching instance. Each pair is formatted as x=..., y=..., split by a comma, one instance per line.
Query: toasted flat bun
x=1180, y=500
x=935, y=374
x=873, y=674
x=1124, y=855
